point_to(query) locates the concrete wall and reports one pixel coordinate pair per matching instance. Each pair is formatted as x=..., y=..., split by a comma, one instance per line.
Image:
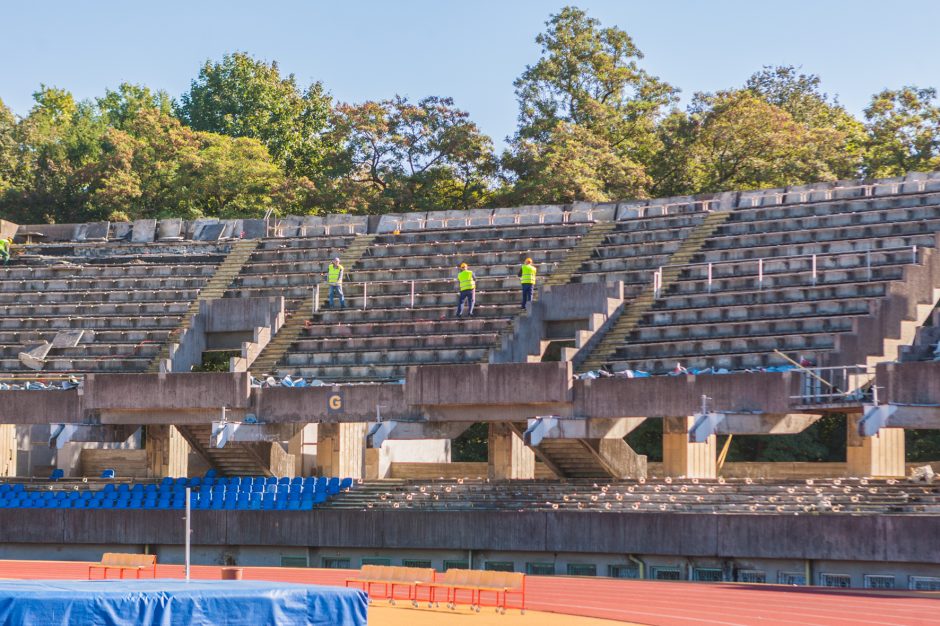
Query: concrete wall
x=888, y=538
x=909, y=383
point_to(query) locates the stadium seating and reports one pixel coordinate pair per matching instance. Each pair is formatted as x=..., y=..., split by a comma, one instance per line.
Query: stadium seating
x=764, y=496
x=381, y=333
x=764, y=295
x=207, y=493
x=126, y=297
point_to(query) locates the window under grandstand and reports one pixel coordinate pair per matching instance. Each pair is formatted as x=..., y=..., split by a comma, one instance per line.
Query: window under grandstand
x=416, y=563
x=376, y=560
x=294, y=561
x=500, y=566
x=924, y=583
x=540, y=569
x=707, y=574
x=582, y=569
x=879, y=582
x=665, y=573
x=835, y=580
x=751, y=576
x=623, y=571
x=328, y=562
x=791, y=578
x=456, y=565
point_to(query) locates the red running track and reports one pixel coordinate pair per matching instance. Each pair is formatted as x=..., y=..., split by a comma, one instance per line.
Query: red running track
x=640, y=601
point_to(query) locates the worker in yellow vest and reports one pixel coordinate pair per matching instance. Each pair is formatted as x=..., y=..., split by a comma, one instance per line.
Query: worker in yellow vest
x=527, y=277
x=334, y=278
x=467, y=285
x=5, y=249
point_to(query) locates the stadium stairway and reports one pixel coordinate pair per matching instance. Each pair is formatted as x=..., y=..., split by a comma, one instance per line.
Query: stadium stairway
x=215, y=288
x=275, y=351
x=591, y=240
x=635, y=310
x=235, y=459
x=588, y=458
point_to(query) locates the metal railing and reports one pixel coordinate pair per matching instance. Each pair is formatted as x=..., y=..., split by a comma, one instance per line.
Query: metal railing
x=760, y=273
x=846, y=384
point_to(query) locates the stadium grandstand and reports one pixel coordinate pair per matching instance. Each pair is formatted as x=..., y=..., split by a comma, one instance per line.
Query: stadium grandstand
x=140, y=359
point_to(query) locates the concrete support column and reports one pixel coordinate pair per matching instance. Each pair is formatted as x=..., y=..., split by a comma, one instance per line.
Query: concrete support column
x=7, y=450
x=341, y=449
x=295, y=446
x=682, y=458
x=508, y=455
x=167, y=451
x=881, y=455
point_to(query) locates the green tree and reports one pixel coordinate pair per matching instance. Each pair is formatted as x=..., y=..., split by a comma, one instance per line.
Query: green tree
x=118, y=108
x=586, y=93
x=241, y=96
x=398, y=156
x=9, y=148
x=903, y=132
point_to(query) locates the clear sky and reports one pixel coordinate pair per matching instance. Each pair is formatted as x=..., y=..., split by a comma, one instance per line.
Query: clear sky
x=469, y=50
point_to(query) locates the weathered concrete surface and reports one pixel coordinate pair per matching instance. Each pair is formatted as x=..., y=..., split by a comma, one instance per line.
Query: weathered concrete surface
x=890, y=538
x=504, y=384
x=166, y=391
x=909, y=383
x=680, y=396
x=40, y=407
x=355, y=403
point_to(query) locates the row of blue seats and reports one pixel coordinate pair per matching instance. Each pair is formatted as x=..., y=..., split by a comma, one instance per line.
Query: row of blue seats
x=253, y=505
x=195, y=496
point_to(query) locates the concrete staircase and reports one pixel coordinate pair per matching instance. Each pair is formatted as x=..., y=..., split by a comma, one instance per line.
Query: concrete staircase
x=296, y=320
x=588, y=458
x=235, y=459
x=639, y=306
x=580, y=253
x=214, y=288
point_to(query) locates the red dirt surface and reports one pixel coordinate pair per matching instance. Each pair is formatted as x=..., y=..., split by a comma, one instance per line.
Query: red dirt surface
x=641, y=601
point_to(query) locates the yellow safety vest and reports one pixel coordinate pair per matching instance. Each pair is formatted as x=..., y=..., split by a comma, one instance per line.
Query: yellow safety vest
x=466, y=280
x=4, y=245
x=528, y=274
x=335, y=274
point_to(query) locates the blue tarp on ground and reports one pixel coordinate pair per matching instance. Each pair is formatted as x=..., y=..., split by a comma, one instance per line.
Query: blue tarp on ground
x=172, y=602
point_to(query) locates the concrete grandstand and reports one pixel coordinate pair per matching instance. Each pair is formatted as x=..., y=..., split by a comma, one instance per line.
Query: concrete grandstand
x=741, y=313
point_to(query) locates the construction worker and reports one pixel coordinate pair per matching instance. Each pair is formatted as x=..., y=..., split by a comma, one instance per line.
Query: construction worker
x=527, y=277
x=467, y=285
x=334, y=278
x=5, y=245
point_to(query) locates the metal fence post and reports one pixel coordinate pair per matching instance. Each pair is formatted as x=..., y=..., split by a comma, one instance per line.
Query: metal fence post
x=316, y=299
x=412, y=294
x=814, y=269
x=365, y=296
x=760, y=273
x=709, y=278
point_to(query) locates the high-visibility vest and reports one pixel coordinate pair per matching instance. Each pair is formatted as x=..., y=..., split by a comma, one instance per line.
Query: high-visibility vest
x=466, y=280
x=528, y=274
x=5, y=245
x=335, y=274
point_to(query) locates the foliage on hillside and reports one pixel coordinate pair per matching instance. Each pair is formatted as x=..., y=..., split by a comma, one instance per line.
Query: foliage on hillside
x=593, y=125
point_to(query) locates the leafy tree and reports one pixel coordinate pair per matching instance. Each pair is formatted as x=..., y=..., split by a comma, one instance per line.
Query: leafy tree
x=119, y=108
x=903, y=132
x=586, y=94
x=241, y=96
x=398, y=156
x=9, y=148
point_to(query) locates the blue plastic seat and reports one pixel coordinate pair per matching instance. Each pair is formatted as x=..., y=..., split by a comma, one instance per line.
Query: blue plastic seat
x=137, y=488
x=108, y=473
x=5, y=487
x=167, y=480
x=297, y=480
x=109, y=487
x=255, y=505
x=123, y=488
x=283, y=480
x=346, y=483
x=57, y=474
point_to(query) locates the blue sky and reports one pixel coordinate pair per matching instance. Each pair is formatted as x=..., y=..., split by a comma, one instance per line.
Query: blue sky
x=469, y=50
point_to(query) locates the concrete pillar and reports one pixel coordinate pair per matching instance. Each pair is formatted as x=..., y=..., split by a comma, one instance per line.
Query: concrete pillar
x=341, y=449
x=682, y=458
x=8, y=450
x=881, y=455
x=167, y=451
x=508, y=456
x=295, y=446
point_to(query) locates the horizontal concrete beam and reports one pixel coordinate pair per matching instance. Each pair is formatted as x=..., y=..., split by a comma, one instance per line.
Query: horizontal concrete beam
x=714, y=423
x=898, y=416
x=380, y=432
x=580, y=428
x=350, y=403
x=489, y=384
x=184, y=391
x=916, y=382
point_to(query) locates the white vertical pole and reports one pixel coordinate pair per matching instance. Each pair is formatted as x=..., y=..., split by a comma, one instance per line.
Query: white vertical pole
x=868, y=262
x=316, y=299
x=914, y=254
x=760, y=273
x=365, y=295
x=412, y=294
x=188, y=529
x=814, y=269
x=709, y=278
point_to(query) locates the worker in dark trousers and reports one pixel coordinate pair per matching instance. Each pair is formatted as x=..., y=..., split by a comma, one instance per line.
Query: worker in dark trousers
x=527, y=277
x=467, y=284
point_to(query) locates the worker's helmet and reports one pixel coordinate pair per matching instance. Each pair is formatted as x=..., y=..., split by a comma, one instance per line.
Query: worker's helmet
x=463, y=266
x=528, y=260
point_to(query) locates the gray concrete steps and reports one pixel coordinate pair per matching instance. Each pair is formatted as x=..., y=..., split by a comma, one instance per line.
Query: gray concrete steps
x=506, y=231
x=784, y=265
x=727, y=360
x=88, y=350
x=396, y=342
x=384, y=356
x=820, y=236
x=421, y=328
x=132, y=309
x=120, y=284
x=77, y=272
x=64, y=364
x=20, y=338
x=834, y=220
x=89, y=322
x=483, y=309
x=572, y=458
x=96, y=297
x=354, y=373
x=305, y=243
x=836, y=206
x=720, y=329
x=726, y=345
x=472, y=247
x=779, y=280
x=787, y=295
x=234, y=459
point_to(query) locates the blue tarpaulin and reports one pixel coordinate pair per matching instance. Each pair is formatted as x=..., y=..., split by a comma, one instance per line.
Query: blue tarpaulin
x=172, y=602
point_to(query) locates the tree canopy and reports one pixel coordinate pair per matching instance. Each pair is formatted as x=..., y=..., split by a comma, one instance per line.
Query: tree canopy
x=594, y=124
